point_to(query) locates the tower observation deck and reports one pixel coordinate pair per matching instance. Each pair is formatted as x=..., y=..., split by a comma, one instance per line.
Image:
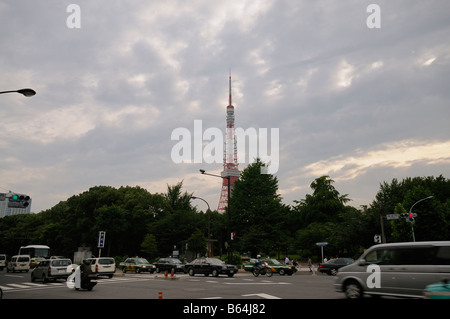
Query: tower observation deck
x=230, y=171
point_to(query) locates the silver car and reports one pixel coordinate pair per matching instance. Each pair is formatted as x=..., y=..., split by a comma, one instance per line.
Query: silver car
x=398, y=269
x=52, y=269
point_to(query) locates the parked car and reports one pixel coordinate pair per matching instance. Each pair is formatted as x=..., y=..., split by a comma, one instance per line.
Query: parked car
x=168, y=264
x=440, y=290
x=137, y=265
x=331, y=267
x=52, y=269
x=19, y=263
x=207, y=266
x=281, y=269
x=2, y=261
x=396, y=269
x=103, y=266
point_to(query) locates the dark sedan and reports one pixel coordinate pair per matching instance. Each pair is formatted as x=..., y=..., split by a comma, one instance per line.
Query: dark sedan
x=331, y=267
x=210, y=266
x=168, y=264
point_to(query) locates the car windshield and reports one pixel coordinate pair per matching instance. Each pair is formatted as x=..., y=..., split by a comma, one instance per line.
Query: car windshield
x=274, y=261
x=141, y=261
x=214, y=261
x=175, y=261
x=63, y=262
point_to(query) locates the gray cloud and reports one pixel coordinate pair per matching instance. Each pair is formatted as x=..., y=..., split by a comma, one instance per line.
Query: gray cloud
x=111, y=92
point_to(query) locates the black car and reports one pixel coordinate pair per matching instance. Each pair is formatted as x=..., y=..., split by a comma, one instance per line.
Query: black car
x=168, y=264
x=207, y=266
x=331, y=267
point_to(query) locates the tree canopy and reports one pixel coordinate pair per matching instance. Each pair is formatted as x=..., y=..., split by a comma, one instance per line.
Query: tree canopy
x=138, y=222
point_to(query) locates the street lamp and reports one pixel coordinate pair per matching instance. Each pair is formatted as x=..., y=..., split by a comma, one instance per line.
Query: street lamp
x=209, y=224
x=410, y=212
x=25, y=92
x=202, y=171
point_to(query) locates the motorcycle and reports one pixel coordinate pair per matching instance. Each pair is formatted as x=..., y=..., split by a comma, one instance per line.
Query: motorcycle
x=263, y=269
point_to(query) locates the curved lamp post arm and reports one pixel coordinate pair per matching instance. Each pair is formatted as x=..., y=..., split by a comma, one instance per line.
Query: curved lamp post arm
x=25, y=92
x=419, y=202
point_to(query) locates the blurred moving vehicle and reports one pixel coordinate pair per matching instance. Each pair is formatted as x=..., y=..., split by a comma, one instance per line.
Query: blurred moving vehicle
x=280, y=268
x=440, y=290
x=52, y=269
x=331, y=267
x=210, y=266
x=397, y=269
x=169, y=264
x=137, y=265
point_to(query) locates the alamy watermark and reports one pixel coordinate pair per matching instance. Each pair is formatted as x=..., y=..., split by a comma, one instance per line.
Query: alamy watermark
x=208, y=146
x=373, y=21
x=374, y=279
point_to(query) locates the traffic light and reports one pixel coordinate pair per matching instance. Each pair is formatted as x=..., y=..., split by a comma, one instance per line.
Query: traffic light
x=410, y=218
x=24, y=200
x=233, y=235
x=18, y=201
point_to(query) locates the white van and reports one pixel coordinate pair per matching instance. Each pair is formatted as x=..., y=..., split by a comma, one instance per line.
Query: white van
x=2, y=261
x=398, y=269
x=103, y=266
x=19, y=263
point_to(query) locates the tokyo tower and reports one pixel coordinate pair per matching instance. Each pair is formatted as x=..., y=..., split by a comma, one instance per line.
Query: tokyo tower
x=230, y=171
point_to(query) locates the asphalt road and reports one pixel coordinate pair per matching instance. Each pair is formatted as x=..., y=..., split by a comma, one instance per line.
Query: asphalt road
x=302, y=285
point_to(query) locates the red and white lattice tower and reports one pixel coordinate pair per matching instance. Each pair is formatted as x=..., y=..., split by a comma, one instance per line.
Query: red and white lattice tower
x=230, y=162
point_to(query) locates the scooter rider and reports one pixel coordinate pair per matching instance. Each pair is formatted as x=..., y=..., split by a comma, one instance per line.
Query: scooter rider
x=86, y=271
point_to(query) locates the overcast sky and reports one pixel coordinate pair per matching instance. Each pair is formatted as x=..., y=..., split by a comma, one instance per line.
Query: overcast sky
x=362, y=105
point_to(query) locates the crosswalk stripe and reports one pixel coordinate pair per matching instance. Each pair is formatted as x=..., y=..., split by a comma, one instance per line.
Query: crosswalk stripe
x=35, y=284
x=18, y=286
x=24, y=285
x=6, y=288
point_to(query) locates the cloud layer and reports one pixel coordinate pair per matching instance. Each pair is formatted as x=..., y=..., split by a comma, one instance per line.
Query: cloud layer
x=361, y=105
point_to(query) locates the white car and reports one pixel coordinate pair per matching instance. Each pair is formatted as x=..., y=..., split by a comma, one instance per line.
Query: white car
x=103, y=266
x=52, y=269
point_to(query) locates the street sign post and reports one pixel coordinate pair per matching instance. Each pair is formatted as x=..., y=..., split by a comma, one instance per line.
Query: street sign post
x=101, y=241
x=322, y=244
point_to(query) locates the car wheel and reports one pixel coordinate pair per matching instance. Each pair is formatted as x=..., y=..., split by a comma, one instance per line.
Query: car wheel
x=282, y=272
x=191, y=272
x=333, y=272
x=215, y=273
x=353, y=290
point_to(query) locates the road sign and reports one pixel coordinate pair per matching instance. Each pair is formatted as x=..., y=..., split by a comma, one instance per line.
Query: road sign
x=322, y=243
x=101, y=239
x=392, y=216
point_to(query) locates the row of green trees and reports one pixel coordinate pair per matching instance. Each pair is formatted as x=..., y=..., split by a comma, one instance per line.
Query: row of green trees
x=138, y=222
